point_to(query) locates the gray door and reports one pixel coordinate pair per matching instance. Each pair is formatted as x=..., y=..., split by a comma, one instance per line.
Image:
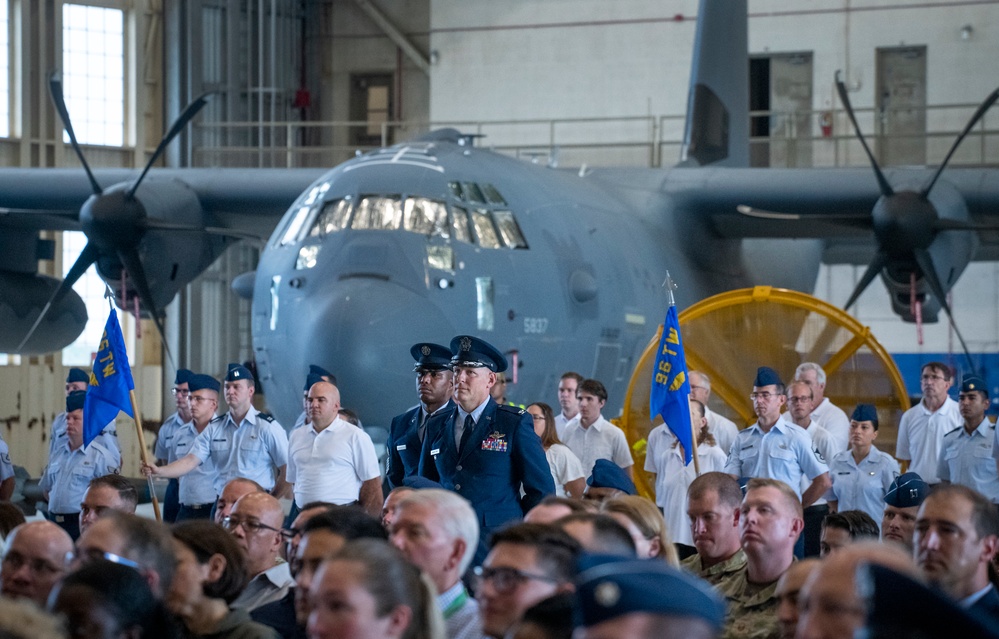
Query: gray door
x=901, y=105
x=781, y=83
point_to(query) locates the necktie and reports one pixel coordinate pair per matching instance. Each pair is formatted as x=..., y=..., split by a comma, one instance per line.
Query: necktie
x=469, y=425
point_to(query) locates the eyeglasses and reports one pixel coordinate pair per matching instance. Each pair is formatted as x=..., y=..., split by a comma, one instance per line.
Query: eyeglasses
x=692, y=387
x=249, y=525
x=197, y=399
x=183, y=392
x=927, y=377
x=799, y=399
x=90, y=555
x=764, y=396
x=38, y=566
x=538, y=418
x=505, y=580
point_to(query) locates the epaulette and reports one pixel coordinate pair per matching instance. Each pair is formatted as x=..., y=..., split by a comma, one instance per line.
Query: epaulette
x=951, y=432
x=267, y=417
x=516, y=410
x=218, y=418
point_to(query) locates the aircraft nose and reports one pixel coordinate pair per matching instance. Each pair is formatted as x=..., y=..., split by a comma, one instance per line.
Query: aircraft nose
x=360, y=329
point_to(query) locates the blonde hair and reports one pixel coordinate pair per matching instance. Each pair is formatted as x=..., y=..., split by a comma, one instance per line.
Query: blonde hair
x=648, y=519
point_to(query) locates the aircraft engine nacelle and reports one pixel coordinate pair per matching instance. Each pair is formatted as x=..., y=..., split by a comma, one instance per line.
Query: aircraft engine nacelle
x=22, y=297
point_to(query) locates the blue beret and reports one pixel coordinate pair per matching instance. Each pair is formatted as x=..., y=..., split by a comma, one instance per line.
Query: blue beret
x=201, y=382
x=906, y=491
x=183, y=376
x=74, y=401
x=765, y=376
x=607, y=474
x=610, y=587
x=431, y=357
x=77, y=375
x=419, y=482
x=311, y=379
x=974, y=383
x=467, y=350
x=238, y=371
x=865, y=413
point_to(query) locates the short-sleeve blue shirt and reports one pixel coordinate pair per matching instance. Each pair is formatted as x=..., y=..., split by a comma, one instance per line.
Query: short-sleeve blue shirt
x=862, y=486
x=785, y=453
x=254, y=448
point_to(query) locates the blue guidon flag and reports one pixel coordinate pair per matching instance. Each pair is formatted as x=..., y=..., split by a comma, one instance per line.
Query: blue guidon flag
x=110, y=382
x=670, y=386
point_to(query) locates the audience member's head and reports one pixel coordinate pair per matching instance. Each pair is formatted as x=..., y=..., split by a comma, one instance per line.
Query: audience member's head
x=143, y=541
x=106, y=493
x=398, y=602
x=598, y=534
x=391, y=501
x=10, y=518
x=787, y=593
x=438, y=532
x=550, y=618
x=211, y=569
x=769, y=525
x=526, y=563
x=231, y=493
x=644, y=600
x=23, y=619
x=107, y=599
x=552, y=508
x=830, y=606
x=255, y=522
x=902, y=503
x=544, y=423
x=607, y=480
x=714, y=502
x=644, y=522
x=322, y=537
x=294, y=534
x=843, y=528
x=35, y=560
x=957, y=534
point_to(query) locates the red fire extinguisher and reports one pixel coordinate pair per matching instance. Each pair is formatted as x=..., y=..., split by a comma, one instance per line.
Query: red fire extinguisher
x=826, y=123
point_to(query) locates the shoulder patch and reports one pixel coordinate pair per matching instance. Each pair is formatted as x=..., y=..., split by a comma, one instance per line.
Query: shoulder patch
x=267, y=417
x=516, y=410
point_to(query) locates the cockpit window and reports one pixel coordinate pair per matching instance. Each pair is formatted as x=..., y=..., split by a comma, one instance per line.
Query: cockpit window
x=378, y=213
x=493, y=195
x=332, y=218
x=307, y=208
x=484, y=229
x=460, y=224
x=424, y=216
x=455, y=190
x=473, y=193
x=509, y=229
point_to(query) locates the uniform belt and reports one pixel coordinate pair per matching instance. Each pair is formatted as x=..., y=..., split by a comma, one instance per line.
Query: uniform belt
x=817, y=508
x=199, y=506
x=61, y=518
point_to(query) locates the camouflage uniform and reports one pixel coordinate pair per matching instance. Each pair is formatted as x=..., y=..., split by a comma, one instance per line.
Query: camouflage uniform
x=752, y=610
x=721, y=572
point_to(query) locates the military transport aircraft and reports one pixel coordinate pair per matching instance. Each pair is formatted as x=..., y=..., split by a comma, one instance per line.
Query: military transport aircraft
x=435, y=237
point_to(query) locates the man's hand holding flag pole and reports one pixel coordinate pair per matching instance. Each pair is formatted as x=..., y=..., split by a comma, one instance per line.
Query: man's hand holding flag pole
x=670, y=394
x=112, y=390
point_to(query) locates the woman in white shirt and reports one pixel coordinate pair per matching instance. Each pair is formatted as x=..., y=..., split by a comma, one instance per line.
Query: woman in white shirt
x=566, y=469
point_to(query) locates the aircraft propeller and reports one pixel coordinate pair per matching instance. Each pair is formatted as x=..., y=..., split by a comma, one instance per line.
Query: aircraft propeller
x=115, y=221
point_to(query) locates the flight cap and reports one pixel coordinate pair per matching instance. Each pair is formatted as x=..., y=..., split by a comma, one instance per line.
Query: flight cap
x=865, y=413
x=77, y=375
x=974, y=383
x=183, y=376
x=765, y=376
x=201, y=382
x=237, y=371
x=74, y=401
x=607, y=474
x=906, y=491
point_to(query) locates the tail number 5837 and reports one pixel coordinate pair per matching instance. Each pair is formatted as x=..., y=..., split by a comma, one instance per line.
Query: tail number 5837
x=535, y=325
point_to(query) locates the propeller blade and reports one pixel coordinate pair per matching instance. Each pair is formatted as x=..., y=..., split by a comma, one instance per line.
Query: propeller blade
x=982, y=108
x=133, y=264
x=925, y=262
x=945, y=224
x=886, y=189
x=877, y=264
x=55, y=89
x=178, y=126
x=88, y=256
x=764, y=214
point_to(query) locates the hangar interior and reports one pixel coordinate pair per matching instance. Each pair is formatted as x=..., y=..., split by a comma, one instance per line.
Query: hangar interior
x=567, y=83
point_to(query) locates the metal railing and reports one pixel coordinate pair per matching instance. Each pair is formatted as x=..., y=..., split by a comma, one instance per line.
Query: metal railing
x=795, y=139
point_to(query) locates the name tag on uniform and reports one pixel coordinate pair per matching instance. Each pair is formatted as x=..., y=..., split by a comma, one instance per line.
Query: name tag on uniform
x=495, y=443
x=435, y=452
x=401, y=447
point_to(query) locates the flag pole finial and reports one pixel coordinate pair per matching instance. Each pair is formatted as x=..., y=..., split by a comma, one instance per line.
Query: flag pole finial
x=670, y=285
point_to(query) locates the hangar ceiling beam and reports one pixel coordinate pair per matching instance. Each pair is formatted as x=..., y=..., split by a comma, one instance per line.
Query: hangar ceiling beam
x=398, y=37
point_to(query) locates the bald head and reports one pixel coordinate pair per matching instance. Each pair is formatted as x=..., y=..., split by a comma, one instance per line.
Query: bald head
x=233, y=490
x=255, y=522
x=35, y=560
x=323, y=402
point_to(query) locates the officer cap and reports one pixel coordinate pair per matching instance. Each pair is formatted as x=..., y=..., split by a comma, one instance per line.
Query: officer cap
x=430, y=357
x=237, y=371
x=865, y=413
x=906, y=491
x=202, y=382
x=419, y=482
x=74, y=401
x=77, y=375
x=467, y=350
x=311, y=379
x=607, y=474
x=765, y=376
x=900, y=606
x=974, y=383
x=183, y=376
x=609, y=587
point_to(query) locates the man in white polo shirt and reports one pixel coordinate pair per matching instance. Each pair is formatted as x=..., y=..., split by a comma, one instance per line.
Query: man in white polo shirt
x=331, y=460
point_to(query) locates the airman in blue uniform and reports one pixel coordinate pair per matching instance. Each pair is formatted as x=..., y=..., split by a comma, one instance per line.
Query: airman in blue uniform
x=968, y=450
x=483, y=451
x=406, y=435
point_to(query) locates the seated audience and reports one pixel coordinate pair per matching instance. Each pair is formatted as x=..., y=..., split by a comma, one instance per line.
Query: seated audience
x=607, y=480
x=843, y=528
x=231, y=492
x=598, y=534
x=646, y=526
x=714, y=501
x=788, y=590
x=21, y=619
x=902, y=502
x=550, y=618
x=388, y=507
x=10, y=518
x=34, y=561
x=255, y=522
x=134, y=539
x=552, y=508
x=106, y=493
